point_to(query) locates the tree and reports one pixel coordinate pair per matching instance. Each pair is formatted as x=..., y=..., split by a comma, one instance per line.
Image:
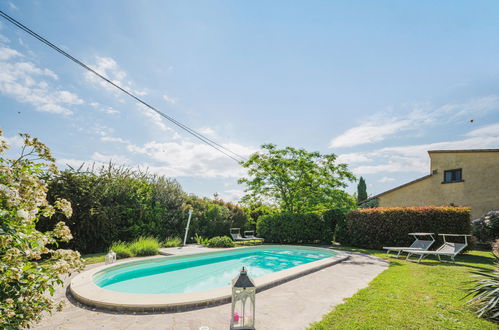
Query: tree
x=361, y=190
x=30, y=263
x=296, y=180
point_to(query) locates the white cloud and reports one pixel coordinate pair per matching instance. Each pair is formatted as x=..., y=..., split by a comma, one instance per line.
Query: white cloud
x=490, y=130
x=379, y=127
x=169, y=99
x=415, y=158
x=14, y=141
x=209, y=132
x=4, y=39
x=368, y=133
x=116, y=159
x=154, y=117
x=386, y=179
x=110, y=111
x=110, y=69
x=23, y=81
x=186, y=158
x=352, y=158
x=114, y=139
x=12, y=6
x=231, y=195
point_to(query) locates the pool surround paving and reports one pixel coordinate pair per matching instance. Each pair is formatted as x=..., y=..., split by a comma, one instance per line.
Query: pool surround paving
x=83, y=288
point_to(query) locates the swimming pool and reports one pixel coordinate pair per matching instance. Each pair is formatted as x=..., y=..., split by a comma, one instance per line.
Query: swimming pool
x=181, y=282
x=203, y=272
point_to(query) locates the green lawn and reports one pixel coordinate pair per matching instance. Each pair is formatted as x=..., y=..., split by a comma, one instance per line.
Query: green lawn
x=413, y=296
x=94, y=258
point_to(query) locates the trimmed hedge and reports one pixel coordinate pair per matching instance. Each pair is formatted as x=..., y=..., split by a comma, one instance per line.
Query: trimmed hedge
x=293, y=228
x=375, y=228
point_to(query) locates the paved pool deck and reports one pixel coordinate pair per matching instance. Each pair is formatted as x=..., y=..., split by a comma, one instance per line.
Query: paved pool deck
x=292, y=305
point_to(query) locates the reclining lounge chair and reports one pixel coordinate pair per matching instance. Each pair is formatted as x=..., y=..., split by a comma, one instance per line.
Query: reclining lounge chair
x=251, y=235
x=417, y=245
x=449, y=249
x=235, y=233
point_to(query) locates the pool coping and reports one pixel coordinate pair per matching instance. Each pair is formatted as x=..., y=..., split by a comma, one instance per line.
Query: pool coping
x=84, y=290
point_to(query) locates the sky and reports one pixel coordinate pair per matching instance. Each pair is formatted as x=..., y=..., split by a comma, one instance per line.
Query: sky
x=378, y=83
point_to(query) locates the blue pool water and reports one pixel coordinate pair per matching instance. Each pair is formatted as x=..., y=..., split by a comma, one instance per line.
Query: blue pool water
x=203, y=272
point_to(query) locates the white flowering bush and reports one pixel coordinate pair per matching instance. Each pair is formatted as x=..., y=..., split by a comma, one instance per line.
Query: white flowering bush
x=31, y=265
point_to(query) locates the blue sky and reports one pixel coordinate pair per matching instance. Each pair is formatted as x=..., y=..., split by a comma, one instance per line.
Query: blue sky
x=376, y=82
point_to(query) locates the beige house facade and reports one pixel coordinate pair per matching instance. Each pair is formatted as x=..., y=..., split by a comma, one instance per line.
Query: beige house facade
x=457, y=177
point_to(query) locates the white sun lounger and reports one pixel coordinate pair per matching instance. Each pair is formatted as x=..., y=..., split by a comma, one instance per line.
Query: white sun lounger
x=251, y=235
x=235, y=233
x=450, y=249
x=417, y=245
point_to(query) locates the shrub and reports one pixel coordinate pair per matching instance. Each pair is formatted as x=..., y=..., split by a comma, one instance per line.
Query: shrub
x=117, y=204
x=121, y=249
x=201, y=240
x=172, y=242
x=375, y=228
x=30, y=264
x=145, y=246
x=333, y=219
x=294, y=228
x=485, y=293
x=220, y=242
x=372, y=203
x=121, y=204
x=486, y=229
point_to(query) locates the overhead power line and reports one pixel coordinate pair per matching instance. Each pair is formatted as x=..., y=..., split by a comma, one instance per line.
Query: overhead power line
x=227, y=152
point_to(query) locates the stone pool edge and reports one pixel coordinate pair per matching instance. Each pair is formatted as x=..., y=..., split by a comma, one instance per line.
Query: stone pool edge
x=84, y=290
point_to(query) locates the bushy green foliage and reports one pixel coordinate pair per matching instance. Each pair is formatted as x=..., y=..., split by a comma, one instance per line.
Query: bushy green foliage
x=172, y=242
x=145, y=246
x=140, y=247
x=371, y=203
x=120, y=204
x=485, y=293
x=212, y=218
x=122, y=250
x=486, y=229
x=333, y=219
x=31, y=264
x=294, y=228
x=375, y=228
x=220, y=242
x=201, y=240
x=296, y=181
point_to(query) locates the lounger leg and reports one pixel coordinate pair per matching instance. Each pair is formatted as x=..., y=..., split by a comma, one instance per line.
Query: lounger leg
x=398, y=254
x=407, y=258
x=421, y=257
x=439, y=258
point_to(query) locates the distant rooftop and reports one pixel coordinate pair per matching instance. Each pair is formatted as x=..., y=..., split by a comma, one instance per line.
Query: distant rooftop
x=465, y=150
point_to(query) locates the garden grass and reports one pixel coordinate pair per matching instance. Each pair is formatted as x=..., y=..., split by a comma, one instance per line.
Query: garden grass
x=408, y=295
x=94, y=258
x=144, y=246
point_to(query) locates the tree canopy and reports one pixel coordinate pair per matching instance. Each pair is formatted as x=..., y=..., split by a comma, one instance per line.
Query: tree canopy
x=361, y=190
x=296, y=180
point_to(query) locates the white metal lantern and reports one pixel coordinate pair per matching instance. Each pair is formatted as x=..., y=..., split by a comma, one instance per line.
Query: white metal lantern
x=110, y=257
x=243, y=302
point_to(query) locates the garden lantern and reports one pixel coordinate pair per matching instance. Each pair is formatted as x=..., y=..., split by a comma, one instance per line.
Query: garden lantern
x=110, y=257
x=243, y=302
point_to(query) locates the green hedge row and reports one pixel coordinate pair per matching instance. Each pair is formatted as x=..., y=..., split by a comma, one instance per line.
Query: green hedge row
x=378, y=227
x=113, y=204
x=292, y=228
